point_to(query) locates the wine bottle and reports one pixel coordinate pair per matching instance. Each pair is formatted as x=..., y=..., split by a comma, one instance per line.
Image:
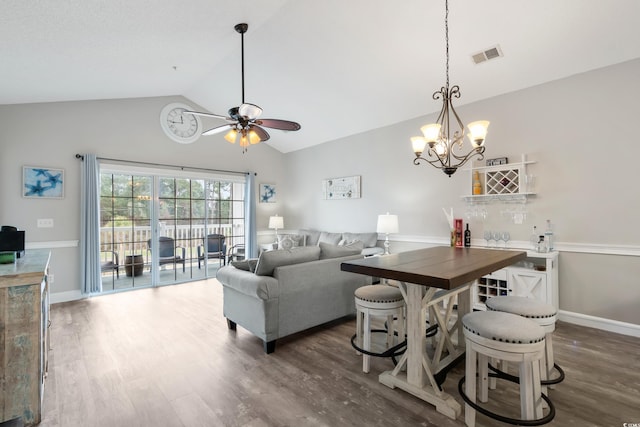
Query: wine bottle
x=467, y=237
x=533, y=239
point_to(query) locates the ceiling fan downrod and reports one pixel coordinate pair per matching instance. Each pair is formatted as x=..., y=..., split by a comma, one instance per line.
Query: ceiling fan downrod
x=242, y=28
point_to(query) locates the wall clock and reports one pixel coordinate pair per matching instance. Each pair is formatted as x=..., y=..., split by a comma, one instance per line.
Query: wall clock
x=182, y=128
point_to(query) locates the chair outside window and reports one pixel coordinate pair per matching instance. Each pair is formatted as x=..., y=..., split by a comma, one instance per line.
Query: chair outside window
x=109, y=261
x=216, y=247
x=236, y=252
x=167, y=252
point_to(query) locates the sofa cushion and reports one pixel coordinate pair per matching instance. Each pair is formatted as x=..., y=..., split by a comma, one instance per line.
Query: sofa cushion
x=369, y=239
x=311, y=236
x=331, y=238
x=269, y=260
x=246, y=265
x=288, y=241
x=328, y=250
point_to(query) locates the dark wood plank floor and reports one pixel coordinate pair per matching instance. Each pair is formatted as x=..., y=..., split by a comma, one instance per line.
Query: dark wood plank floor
x=164, y=357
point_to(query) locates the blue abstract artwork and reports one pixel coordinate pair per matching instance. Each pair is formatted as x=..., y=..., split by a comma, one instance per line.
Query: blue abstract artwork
x=40, y=182
x=267, y=193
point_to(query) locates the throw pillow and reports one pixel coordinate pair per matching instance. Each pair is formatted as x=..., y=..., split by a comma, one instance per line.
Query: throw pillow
x=246, y=265
x=369, y=239
x=334, y=251
x=311, y=237
x=288, y=241
x=331, y=238
x=270, y=260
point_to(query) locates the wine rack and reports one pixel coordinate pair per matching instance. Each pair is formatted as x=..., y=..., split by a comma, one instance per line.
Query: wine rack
x=506, y=181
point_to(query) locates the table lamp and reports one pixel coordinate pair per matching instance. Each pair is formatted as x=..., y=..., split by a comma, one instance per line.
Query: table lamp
x=387, y=224
x=276, y=222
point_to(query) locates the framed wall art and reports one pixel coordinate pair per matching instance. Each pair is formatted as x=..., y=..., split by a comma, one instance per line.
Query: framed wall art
x=267, y=193
x=42, y=183
x=347, y=187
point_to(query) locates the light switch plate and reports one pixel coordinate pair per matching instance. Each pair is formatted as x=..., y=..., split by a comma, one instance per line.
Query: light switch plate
x=45, y=223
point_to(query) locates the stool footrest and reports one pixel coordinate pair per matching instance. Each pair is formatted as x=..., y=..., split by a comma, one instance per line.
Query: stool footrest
x=514, y=421
x=396, y=350
x=515, y=379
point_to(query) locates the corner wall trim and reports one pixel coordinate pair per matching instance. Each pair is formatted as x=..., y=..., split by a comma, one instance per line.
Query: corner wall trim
x=600, y=323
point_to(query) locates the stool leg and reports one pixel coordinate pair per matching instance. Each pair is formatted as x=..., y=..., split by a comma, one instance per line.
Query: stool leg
x=401, y=325
x=538, y=402
x=366, y=342
x=359, y=315
x=526, y=389
x=390, y=330
x=492, y=380
x=483, y=378
x=544, y=375
x=470, y=385
x=549, y=357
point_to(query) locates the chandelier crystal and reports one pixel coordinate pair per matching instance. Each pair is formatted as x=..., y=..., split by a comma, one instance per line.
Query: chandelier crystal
x=444, y=150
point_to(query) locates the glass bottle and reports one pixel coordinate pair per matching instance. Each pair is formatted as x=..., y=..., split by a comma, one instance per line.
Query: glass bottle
x=548, y=236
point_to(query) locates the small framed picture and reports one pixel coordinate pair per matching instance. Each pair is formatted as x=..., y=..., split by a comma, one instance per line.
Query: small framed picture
x=267, y=193
x=42, y=182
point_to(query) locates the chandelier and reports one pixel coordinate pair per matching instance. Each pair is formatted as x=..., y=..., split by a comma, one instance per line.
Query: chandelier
x=443, y=149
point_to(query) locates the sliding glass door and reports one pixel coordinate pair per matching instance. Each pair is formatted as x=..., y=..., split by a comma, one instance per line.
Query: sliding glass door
x=160, y=228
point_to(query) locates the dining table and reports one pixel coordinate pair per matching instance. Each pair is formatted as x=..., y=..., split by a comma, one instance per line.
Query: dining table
x=436, y=285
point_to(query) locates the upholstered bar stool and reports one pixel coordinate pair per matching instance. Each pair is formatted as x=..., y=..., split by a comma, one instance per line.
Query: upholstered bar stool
x=378, y=301
x=503, y=336
x=544, y=315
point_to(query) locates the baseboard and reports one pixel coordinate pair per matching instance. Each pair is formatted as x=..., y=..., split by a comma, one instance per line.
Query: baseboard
x=600, y=323
x=56, y=297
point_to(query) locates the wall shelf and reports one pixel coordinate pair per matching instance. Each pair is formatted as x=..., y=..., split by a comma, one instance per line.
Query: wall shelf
x=505, y=183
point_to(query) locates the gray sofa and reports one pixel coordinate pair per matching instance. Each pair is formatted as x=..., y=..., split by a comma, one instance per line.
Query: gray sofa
x=288, y=291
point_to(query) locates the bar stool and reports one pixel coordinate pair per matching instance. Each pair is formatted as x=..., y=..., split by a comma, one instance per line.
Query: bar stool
x=544, y=315
x=378, y=300
x=504, y=336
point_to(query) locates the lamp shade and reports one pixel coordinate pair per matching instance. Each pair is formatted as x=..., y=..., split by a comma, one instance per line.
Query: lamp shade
x=276, y=222
x=387, y=223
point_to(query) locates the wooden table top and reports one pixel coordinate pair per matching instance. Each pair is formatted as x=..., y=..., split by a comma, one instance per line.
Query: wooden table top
x=441, y=266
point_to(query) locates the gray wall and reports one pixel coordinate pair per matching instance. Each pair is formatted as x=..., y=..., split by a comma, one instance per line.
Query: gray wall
x=51, y=134
x=581, y=131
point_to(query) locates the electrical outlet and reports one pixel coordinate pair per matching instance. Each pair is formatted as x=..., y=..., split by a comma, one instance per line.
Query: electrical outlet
x=45, y=223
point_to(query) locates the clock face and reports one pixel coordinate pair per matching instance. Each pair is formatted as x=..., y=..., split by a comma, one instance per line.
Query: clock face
x=182, y=128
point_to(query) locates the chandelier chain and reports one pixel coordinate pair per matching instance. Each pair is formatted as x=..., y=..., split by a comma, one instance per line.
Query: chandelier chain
x=446, y=36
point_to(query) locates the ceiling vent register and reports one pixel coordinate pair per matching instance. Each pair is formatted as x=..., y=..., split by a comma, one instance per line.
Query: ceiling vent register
x=488, y=54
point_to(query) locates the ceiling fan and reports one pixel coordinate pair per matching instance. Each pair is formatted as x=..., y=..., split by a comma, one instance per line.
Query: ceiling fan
x=245, y=120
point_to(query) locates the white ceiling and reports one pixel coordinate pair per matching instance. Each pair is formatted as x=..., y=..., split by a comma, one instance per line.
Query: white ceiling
x=338, y=67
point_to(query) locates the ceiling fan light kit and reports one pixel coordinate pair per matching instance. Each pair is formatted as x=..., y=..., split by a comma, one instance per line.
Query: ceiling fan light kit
x=243, y=122
x=437, y=139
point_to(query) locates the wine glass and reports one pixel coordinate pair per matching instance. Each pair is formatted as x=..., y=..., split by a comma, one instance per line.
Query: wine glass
x=497, y=236
x=506, y=236
x=487, y=236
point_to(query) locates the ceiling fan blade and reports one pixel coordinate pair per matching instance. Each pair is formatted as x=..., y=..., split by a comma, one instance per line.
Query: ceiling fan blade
x=250, y=111
x=278, y=124
x=216, y=130
x=264, y=136
x=217, y=116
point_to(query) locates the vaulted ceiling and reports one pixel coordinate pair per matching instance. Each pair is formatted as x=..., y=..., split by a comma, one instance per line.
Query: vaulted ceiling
x=338, y=67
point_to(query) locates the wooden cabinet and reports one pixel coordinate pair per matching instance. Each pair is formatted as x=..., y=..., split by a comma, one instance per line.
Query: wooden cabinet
x=536, y=277
x=24, y=336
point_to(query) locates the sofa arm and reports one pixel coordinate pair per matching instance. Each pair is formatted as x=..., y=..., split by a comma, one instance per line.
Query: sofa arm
x=245, y=282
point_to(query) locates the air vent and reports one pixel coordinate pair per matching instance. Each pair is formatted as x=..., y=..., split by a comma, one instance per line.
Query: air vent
x=491, y=53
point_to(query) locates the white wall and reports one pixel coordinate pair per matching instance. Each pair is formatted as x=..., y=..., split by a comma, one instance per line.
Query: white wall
x=581, y=131
x=51, y=134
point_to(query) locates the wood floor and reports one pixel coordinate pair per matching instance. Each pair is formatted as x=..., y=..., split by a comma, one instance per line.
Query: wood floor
x=164, y=357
